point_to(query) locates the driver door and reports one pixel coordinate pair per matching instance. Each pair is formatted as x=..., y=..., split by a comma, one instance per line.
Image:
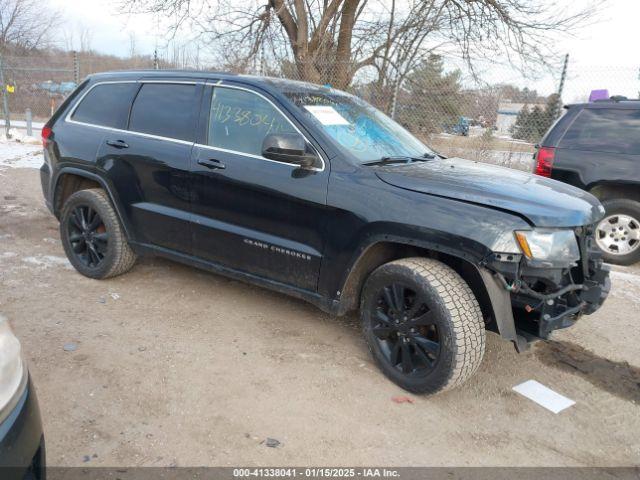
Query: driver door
x=252, y=214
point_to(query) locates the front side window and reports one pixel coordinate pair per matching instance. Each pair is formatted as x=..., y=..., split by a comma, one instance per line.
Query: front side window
x=106, y=105
x=612, y=130
x=166, y=110
x=357, y=126
x=240, y=120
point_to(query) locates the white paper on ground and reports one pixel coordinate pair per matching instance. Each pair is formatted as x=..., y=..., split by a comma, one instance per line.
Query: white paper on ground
x=327, y=115
x=543, y=396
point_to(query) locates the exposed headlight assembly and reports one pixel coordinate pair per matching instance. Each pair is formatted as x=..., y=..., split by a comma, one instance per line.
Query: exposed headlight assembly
x=13, y=373
x=548, y=245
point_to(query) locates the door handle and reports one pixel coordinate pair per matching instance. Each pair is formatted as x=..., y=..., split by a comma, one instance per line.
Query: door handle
x=117, y=143
x=212, y=164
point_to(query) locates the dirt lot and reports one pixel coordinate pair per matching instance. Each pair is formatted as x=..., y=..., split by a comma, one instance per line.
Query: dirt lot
x=175, y=366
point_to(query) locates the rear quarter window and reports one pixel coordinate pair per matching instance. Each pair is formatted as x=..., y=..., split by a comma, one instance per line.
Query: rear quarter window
x=106, y=105
x=612, y=130
x=166, y=110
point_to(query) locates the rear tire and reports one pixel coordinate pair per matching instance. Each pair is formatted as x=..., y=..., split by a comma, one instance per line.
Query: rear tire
x=423, y=325
x=622, y=220
x=92, y=236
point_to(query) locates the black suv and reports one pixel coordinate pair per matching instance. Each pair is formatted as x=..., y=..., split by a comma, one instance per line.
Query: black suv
x=313, y=192
x=596, y=147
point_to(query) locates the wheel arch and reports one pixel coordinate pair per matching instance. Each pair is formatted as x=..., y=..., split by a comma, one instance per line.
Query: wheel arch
x=69, y=180
x=384, y=251
x=614, y=190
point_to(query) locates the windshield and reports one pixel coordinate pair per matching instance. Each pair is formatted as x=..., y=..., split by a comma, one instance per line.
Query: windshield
x=365, y=131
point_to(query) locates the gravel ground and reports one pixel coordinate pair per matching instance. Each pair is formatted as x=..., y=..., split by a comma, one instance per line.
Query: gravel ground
x=174, y=366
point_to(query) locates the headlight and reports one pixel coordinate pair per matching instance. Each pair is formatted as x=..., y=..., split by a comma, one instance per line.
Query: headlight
x=549, y=245
x=12, y=370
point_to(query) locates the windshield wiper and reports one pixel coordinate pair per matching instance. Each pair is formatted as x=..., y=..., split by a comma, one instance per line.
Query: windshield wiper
x=388, y=160
x=400, y=159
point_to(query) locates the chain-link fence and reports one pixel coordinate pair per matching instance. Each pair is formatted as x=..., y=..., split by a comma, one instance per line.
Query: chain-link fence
x=39, y=83
x=495, y=119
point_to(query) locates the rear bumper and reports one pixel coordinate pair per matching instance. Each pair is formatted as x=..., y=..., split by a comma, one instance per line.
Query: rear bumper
x=22, y=448
x=45, y=181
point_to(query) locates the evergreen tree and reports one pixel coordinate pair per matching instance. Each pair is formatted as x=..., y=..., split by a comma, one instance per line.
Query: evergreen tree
x=431, y=97
x=532, y=123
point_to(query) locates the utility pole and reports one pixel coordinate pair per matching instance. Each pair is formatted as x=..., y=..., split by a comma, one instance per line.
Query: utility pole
x=5, y=100
x=76, y=68
x=563, y=77
x=394, y=98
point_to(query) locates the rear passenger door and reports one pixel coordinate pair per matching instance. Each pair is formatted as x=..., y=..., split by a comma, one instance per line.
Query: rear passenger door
x=148, y=162
x=104, y=106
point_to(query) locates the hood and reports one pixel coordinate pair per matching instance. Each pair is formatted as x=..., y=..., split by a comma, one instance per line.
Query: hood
x=544, y=202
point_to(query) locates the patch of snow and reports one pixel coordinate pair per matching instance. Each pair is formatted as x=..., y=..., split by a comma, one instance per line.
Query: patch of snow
x=47, y=261
x=17, y=153
x=8, y=255
x=20, y=137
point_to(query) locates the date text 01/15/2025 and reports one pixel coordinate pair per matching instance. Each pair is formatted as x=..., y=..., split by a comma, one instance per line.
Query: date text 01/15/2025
x=316, y=472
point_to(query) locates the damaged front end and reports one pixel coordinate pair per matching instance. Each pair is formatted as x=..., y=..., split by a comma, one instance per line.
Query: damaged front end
x=545, y=295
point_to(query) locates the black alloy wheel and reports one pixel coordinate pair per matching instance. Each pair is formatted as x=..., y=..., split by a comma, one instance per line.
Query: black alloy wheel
x=423, y=324
x=88, y=235
x=405, y=329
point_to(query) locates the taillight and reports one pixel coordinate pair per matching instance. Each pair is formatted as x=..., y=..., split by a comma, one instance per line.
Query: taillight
x=46, y=134
x=544, y=161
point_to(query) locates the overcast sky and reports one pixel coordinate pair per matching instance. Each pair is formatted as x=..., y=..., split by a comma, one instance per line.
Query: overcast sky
x=597, y=52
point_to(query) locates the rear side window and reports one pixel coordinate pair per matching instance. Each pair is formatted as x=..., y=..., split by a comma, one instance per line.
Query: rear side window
x=166, y=110
x=106, y=105
x=239, y=121
x=605, y=130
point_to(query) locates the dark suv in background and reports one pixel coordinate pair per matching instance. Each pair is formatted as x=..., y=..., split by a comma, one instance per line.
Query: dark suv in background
x=596, y=147
x=313, y=192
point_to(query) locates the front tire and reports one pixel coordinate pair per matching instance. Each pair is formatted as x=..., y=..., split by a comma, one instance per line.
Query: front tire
x=618, y=233
x=423, y=325
x=92, y=236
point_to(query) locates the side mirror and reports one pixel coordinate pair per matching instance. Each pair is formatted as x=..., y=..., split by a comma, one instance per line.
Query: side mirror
x=289, y=148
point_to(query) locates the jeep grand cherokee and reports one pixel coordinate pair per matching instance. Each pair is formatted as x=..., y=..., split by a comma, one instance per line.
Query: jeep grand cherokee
x=311, y=191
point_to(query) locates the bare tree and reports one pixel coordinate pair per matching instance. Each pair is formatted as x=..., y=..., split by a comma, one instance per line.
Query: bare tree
x=331, y=40
x=68, y=37
x=132, y=44
x=86, y=37
x=25, y=24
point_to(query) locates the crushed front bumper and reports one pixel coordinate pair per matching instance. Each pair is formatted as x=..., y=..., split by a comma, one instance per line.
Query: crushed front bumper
x=539, y=313
x=543, y=299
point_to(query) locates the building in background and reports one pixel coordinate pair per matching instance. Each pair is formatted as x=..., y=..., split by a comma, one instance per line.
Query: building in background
x=508, y=113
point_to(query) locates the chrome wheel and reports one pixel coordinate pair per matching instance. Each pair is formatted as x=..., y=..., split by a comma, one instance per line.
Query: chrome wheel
x=618, y=234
